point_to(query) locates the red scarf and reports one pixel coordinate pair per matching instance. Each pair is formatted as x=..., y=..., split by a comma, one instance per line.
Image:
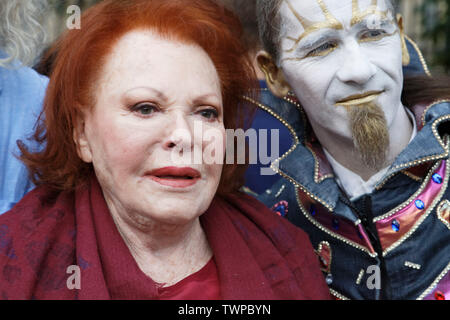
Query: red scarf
x=258, y=254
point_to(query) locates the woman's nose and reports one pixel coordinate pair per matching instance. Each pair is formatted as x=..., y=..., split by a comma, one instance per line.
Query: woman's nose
x=356, y=67
x=179, y=133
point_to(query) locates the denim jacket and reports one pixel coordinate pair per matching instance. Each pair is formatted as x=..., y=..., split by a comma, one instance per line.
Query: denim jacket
x=391, y=244
x=21, y=94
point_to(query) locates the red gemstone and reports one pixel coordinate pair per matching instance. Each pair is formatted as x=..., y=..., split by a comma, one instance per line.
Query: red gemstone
x=439, y=295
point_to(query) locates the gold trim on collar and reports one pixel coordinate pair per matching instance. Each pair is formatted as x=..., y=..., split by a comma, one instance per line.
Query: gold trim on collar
x=316, y=160
x=443, y=212
x=428, y=108
x=425, y=159
x=412, y=176
x=338, y=295
x=328, y=231
x=421, y=58
x=274, y=165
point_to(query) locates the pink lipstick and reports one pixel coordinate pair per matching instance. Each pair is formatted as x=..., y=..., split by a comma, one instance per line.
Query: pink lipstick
x=175, y=177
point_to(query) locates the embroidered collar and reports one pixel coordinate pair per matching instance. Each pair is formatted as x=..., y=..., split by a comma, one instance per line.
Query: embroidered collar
x=313, y=173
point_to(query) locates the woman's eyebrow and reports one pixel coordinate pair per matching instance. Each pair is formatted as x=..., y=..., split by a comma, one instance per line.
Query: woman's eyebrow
x=136, y=90
x=208, y=97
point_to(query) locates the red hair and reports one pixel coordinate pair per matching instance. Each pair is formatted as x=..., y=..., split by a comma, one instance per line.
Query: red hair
x=80, y=55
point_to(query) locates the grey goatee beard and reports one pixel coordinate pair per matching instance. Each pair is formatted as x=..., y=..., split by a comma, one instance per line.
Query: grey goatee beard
x=370, y=134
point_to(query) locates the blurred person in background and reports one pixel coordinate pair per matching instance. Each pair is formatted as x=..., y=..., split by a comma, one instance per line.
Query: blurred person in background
x=255, y=181
x=21, y=91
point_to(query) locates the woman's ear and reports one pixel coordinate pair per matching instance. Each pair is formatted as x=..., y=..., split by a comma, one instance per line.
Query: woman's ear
x=81, y=141
x=405, y=54
x=274, y=76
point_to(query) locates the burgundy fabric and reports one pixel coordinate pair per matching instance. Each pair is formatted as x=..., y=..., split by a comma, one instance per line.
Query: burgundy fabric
x=202, y=285
x=257, y=254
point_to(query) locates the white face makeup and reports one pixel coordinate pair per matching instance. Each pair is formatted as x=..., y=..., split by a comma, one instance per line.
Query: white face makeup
x=339, y=53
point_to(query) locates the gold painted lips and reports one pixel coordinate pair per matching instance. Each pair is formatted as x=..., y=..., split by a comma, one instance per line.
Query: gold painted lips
x=358, y=99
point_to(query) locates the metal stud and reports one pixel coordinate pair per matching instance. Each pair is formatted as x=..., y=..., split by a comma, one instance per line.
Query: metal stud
x=329, y=279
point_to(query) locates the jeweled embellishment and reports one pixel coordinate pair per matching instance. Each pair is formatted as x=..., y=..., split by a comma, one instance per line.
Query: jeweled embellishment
x=437, y=178
x=438, y=295
x=359, y=234
x=443, y=212
x=419, y=204
x=335, y=224
x=395, y=225
x=324, y=254
x=281, y=208
x=312, y=210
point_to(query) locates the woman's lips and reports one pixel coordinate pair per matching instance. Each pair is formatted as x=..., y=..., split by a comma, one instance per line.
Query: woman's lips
x=175, y=177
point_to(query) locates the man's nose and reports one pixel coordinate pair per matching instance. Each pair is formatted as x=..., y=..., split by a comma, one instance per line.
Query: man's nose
x=356, y=67
x=178, y=132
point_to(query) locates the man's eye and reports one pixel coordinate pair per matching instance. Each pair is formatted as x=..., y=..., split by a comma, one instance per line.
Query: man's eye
x=144, y=109
x=209, y=114
x=373, y=34
x=322, y=50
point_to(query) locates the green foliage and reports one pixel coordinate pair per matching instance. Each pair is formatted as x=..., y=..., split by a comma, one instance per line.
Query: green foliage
x=436, y=21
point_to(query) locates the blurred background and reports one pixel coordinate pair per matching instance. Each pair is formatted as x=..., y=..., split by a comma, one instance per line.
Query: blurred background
x=426, y=21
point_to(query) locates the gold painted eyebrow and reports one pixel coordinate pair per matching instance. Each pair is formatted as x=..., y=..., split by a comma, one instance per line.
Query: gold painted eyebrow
x=330, y=23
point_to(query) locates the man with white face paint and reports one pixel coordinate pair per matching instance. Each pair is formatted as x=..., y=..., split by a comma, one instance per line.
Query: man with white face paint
x=367, y=174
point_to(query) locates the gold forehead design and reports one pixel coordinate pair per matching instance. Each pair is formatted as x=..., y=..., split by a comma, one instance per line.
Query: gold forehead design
x=331, y=22
x=358, y=16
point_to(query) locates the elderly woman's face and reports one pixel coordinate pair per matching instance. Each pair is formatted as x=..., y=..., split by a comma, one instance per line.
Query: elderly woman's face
x=156, y=134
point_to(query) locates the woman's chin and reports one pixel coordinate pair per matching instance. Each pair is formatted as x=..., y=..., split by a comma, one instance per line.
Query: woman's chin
x=174, y=211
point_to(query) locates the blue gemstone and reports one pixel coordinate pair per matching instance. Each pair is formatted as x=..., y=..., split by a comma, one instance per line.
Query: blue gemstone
x=281, y=209
x=312, y=210
x=335, y=223
x=419, y=204
x=395, y=225
x=359, y=234
x=437, y=178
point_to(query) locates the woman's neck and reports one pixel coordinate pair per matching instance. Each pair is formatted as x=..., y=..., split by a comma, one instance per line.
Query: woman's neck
x=167, y=253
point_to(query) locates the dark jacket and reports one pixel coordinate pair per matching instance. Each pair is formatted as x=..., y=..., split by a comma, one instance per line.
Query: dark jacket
x=400, y=232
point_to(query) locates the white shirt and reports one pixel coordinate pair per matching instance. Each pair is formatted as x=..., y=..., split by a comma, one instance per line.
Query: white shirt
x=352, y=183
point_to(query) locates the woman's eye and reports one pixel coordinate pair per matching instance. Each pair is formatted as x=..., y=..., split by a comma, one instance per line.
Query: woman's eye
x=209, y=114
x=145, y=109
x=322, y=50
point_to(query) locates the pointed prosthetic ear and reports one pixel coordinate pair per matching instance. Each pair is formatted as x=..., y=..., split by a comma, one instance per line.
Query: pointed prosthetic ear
x=81, y=140
x=274, y=75
x=405, y=54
